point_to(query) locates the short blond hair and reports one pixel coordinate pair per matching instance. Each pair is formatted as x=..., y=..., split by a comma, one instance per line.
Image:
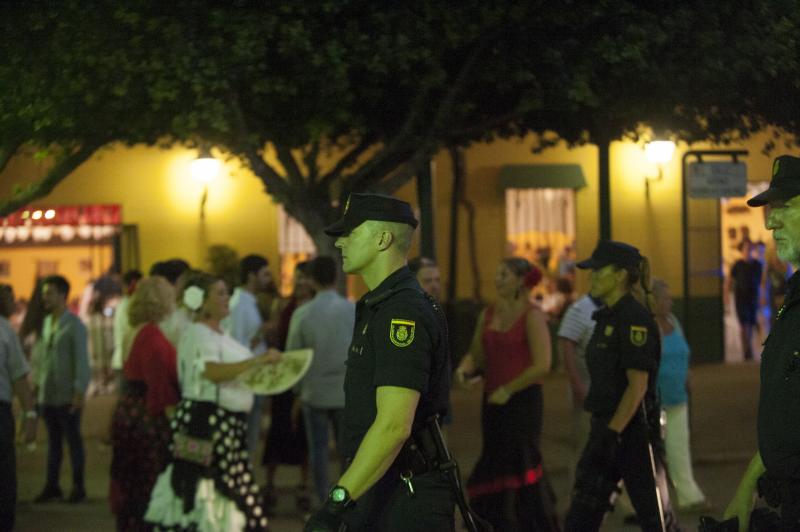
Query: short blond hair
x=153, y=300
x=401, y=232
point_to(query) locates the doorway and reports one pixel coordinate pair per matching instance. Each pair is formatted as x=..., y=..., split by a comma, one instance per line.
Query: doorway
x=752, y=276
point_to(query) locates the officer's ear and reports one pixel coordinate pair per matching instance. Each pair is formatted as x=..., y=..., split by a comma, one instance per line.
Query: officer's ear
x=386, y=239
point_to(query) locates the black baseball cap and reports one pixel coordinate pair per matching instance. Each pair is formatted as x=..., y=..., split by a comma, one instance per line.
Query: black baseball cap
x=611, y=252
x=785, y=182
x=362, y=207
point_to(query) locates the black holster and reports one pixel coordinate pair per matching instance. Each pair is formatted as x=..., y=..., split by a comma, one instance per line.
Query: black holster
x=425, y=451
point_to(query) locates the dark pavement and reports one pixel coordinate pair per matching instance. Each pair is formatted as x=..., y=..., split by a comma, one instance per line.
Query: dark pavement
x=724, y=403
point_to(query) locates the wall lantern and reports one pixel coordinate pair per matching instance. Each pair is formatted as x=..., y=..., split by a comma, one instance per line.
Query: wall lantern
x=204, y=170
x=659, y=152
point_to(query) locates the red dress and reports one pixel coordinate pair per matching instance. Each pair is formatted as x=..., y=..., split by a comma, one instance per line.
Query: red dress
x=140, y=432
x=507, y=486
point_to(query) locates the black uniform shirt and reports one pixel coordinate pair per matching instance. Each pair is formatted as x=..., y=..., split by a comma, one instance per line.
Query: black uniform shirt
x=625, y=337
x=779, y=403
x=399, y=340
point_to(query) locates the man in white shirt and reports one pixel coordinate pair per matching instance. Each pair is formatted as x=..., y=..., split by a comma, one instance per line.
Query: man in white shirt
x=245, y=325
x=574, y=333
x=122, y=326
x=324, y=324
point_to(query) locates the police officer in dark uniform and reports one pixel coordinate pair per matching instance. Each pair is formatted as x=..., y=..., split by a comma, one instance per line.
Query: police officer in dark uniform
x=622, y=357
x=775, y=468
x=397, y=382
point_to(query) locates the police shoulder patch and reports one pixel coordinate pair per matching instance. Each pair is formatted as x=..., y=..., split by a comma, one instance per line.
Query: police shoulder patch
x=401, y=332
x=638, y=335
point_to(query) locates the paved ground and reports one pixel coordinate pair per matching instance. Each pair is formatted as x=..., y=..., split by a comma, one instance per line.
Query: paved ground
x=723, y=408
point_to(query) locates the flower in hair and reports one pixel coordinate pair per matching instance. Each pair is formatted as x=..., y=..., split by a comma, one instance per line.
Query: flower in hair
x=193, y=297
x=532, y=278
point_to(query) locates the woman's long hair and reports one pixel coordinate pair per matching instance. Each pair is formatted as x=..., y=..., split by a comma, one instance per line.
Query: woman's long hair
x=639, y=283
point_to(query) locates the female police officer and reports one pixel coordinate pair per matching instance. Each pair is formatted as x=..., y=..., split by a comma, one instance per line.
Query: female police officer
x=398, y=378
x=622, y=357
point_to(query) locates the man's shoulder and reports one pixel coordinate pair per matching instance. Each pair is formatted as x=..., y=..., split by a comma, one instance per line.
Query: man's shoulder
x=73, y=320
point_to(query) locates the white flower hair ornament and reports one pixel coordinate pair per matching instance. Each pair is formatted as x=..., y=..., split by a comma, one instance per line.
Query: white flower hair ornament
x=193, y=298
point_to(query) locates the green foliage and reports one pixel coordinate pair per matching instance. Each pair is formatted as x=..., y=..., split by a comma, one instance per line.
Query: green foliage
x=384, y=85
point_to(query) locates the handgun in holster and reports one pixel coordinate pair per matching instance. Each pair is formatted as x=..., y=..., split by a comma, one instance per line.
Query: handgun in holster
x=426, y=451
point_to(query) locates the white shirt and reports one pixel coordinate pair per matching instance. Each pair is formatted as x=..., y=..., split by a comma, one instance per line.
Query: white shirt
x=578, y=326
x=174, y=325
x=200, y=344
x=122, y=328
x=244, y=321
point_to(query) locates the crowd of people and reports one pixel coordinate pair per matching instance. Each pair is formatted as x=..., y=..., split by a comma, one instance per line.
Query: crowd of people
x=186, y=427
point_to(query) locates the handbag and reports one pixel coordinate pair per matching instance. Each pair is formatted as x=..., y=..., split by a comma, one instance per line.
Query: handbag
x=191, y=449
x=194, y=449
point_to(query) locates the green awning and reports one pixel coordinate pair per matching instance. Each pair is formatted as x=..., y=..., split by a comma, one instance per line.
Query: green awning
x=541, y=176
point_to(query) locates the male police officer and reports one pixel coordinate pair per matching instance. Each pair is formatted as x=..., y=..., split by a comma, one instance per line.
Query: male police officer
x=775, y=468
x=398, y=379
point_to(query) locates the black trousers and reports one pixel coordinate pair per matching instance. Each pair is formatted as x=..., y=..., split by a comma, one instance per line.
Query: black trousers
x=634, y=464
x=62, y=424
x=8, y=469
x=389, y=507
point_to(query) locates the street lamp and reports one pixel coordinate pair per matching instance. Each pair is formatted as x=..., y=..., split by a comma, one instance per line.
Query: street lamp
x=659, y=152
x=204, y=170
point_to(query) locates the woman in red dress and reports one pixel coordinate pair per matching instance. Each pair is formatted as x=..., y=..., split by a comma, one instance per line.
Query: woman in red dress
x=511, y=348
x=140, y=432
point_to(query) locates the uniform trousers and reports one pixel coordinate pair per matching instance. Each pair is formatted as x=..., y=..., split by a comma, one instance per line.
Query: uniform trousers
x=679, y=456
x=8, y=469
x=594, y=485
x=389, y=507
x=63, y=424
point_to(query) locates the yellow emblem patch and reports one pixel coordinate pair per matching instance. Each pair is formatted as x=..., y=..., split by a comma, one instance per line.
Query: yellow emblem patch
x=609, y=330
x=401, y=332
x=638, y=335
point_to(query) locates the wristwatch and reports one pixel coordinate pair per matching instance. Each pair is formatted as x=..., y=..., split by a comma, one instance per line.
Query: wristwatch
x=340, y=497
x=31, y=414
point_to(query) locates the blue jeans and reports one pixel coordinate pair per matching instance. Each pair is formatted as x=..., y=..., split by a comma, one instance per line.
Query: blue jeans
x=63, y=424
x=317, y=422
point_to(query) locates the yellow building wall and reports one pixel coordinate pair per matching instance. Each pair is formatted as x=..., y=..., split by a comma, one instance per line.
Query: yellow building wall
x=653, y=225
x=23, y=263
x=158, y=194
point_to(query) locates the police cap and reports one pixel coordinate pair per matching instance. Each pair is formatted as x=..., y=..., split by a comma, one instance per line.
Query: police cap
x=785, y=182
x=363, y=207
x=611, y=252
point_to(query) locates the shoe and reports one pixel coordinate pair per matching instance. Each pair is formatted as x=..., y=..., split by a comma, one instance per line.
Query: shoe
x=48, y=495
x=77, y=495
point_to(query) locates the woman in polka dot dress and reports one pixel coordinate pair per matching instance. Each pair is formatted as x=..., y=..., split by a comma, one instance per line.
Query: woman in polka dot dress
x=222, y=495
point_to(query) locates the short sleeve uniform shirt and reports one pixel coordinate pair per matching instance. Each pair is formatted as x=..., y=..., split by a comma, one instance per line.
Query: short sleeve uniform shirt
x=779, y=400
x=399, y=339
x=625, y=337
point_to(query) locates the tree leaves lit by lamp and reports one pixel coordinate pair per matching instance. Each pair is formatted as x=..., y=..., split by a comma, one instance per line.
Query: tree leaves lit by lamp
x=659, y=152
x=204, y=170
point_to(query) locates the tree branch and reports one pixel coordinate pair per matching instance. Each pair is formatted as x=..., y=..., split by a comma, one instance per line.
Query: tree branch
x=276, y=185
x=310, y=161
x=349, y=159
x=293, y=172
x=7, y=152
x=398, y=142
x=63, y=167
